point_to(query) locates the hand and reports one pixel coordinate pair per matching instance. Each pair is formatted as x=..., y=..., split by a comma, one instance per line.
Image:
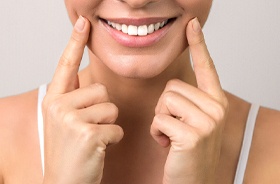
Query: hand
x=78, y=122
x=191, y=119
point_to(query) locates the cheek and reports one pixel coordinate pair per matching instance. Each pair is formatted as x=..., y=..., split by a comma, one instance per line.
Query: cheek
x=86, y=8
x=196, y=8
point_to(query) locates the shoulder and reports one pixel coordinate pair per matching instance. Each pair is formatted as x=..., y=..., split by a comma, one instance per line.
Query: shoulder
x=269, y=116
x=266, y=133
x=18, y=114
x=13, y=109
x=264, y=160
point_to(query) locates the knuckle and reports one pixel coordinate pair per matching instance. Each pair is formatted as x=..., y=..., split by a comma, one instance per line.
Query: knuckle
x=168, y=97
x=54, y=108
x=172, y=84
x=71, y=116
x=114, y=135
x=225, y=102
x=193, y=142
x=100, y=89
x=65, y=61
x=210, y=127
x=111, y=113
x=190, y=140
x=207, y=61
x=157, y=119
x=113, y=109
x=89, y=134
x=119, y=132
x=219, y=112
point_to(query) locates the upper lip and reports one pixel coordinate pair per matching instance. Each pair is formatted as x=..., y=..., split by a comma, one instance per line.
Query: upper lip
x=137, y=21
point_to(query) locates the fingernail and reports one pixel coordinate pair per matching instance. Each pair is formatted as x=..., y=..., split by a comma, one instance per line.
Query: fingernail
x=196, y=25
x=80, y=24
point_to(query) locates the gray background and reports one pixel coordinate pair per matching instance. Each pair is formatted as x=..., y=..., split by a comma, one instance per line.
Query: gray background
x=242, y=36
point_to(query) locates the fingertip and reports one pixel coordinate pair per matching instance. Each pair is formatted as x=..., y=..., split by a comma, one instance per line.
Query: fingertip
x=163, y=140
x=196, y=27
x=81, y=28
x=194, y=31
x=80, y=24
x=120, y=133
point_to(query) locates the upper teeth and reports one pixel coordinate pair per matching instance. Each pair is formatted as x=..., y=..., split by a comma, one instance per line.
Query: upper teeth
x=137, y=30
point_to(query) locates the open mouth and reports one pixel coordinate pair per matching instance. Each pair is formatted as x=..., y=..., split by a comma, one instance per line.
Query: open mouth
x=138, y=30
x=136, y=33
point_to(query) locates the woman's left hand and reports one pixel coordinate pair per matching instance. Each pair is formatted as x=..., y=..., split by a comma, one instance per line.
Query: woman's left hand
x=191, y=119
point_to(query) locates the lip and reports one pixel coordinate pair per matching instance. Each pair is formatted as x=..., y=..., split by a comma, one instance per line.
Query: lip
x=137, y=41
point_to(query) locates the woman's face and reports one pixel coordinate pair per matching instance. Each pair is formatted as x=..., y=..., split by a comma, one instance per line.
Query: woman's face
x=125, y=34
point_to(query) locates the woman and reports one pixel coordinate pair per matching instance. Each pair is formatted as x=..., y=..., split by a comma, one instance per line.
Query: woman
x=138, y=113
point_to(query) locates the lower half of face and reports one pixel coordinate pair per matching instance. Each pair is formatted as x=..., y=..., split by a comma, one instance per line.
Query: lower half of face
x=138, y=38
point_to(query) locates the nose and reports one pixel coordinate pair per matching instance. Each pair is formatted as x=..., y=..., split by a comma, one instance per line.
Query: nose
x=138, y=3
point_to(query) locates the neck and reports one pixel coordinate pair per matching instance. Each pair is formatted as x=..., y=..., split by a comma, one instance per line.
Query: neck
x=134, y=95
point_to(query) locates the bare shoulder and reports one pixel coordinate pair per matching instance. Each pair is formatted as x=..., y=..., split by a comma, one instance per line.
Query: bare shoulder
x=17, y=131
x=269, y=115
x=264, y=161
x=15, y=109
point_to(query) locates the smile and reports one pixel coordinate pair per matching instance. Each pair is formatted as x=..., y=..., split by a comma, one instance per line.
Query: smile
x=137, y=32
x=141, y=30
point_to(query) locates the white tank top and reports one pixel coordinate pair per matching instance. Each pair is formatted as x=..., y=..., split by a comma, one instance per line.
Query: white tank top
x=244, y=153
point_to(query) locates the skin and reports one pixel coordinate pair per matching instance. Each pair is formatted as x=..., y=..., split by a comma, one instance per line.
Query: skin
x=87, y=115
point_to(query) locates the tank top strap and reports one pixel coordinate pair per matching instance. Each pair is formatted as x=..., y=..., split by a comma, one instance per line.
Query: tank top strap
x=246, y=145
x=41, y=94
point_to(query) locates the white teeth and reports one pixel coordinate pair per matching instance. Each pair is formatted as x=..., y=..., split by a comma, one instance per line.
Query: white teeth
x=118, y=27
x=124, y=28
x=151, y=28
x=142, y=30
x=161, y=24
x=113, y=24
x=157, y=26
x=132, y=30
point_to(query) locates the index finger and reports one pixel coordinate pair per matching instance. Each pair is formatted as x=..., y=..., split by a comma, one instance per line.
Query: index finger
x=65, y=78
x=204, y=68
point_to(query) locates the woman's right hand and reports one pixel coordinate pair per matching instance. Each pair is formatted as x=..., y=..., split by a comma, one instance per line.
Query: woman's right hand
x=78, y=122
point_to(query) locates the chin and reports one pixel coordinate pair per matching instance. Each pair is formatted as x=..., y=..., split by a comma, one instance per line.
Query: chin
x=137, y=66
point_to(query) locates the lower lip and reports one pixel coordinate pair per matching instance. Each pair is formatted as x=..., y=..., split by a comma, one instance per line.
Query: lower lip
x=137, y=41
